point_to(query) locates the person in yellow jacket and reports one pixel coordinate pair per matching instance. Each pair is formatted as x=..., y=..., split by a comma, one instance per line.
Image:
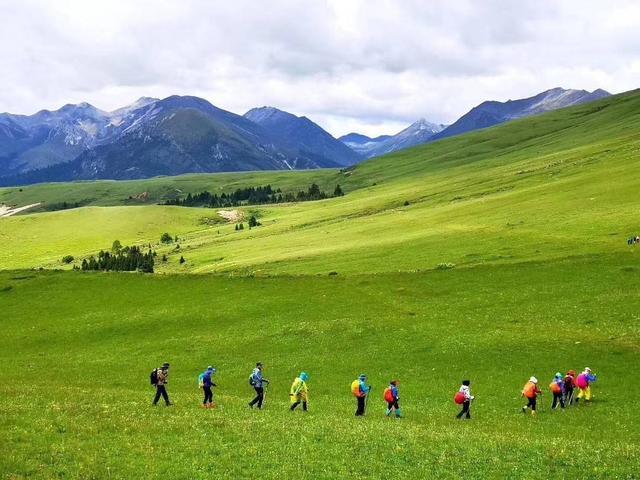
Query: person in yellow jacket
x=299, y=392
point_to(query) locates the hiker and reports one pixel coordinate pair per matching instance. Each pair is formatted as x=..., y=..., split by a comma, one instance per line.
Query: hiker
x=392, y=397
x=557, y=388
x=160, y=378
x=464, y=398
x=360, y=390
x=583, y=382
x=531, y=392
x=206, y=383
x=258, y=383
x=299, y=392
x=569, y=385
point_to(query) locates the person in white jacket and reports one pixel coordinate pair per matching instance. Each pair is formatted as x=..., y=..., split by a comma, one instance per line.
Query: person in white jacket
x=465, y=389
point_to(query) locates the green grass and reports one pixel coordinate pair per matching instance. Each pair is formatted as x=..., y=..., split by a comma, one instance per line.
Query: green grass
x=75, y=398
x=159, y=189
x=534, y=214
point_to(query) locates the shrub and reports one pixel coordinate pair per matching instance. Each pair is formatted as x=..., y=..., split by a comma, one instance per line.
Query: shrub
x=67, y=259
x=446, y=266
x=166, y=238
x=182, y=260
x=406, y=203
x=116, y=246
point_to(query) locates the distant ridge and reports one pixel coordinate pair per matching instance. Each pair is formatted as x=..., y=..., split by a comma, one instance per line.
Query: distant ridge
x=492, y=113
x=485, y=115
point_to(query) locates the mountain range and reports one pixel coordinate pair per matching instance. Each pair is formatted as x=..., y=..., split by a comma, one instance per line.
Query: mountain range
x=415, y=134
x=179, y=134
x=487, y=114
x=186, y=134
x=491, y=113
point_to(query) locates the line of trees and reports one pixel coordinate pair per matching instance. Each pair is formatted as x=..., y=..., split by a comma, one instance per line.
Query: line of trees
x=252, y=196
x=127, y=259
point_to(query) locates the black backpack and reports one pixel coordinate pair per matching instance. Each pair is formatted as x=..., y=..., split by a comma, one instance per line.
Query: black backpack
x=252, y=380
x=153, y=377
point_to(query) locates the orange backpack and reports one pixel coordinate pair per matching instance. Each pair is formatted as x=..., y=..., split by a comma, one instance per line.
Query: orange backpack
x=555, y=387
x=388, y=395
x=529, y=390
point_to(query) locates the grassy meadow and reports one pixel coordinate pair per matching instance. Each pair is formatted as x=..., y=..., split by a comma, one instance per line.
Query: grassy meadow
x=76, y=399
x=533, y=216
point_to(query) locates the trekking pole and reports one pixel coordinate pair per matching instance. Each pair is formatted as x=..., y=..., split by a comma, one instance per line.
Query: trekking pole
x=366, y=399
x=264, y=395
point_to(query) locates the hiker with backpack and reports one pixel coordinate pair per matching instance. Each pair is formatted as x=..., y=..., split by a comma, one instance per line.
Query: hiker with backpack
x=463, y=397
x=531, y=392
x=557, y=389
x=206, y=383
x=569, y=382
x=583, y=382
x=391, y=396
x=258, y=383
x=159, y=379
x=299, y=392
x=360, y=390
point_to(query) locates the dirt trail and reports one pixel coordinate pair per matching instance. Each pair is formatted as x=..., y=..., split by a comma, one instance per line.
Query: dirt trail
x=6, y=211
x=231, y=215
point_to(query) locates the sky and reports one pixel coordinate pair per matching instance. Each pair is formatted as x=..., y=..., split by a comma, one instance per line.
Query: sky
x=370, y=66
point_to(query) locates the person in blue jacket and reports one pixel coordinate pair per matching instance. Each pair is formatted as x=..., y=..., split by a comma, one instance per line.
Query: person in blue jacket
x=392, y=397
x=360, y=390
x=257, y=381
x=207, y=384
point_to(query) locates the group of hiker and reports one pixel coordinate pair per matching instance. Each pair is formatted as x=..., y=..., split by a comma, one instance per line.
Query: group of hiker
x=562, y=387
x=635, y=240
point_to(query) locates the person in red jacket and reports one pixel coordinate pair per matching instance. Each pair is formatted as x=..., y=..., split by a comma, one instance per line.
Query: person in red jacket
x=531, y=392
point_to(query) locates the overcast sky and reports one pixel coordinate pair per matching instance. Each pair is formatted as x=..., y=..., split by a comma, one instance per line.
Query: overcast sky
x=369, y=66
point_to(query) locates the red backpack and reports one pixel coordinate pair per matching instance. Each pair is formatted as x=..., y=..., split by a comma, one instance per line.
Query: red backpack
x=388, y=395
x=459, y=398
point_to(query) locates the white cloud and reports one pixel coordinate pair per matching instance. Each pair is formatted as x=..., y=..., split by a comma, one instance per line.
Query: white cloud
x=372, y=66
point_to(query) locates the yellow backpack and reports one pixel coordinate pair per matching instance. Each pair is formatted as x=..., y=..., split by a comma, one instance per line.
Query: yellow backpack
x=355, y=388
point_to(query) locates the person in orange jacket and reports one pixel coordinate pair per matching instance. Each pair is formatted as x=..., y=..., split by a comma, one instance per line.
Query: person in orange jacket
x=531, y=392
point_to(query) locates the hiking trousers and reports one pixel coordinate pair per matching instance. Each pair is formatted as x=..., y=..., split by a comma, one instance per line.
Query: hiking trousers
x=558, y=399
x=466, y=410
x=568, y=397
x=361, y=406
x=531, y=403
x=161, y=391
x=259, y=397
x=295, y=404
x=208, y=395
x=585, y=393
